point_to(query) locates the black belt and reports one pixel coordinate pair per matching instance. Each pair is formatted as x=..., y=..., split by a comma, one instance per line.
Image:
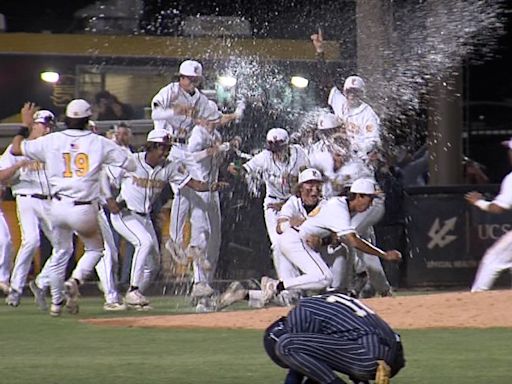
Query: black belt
x=75, y=202
x=140, y=213
x=276, y=198
x=35, y=196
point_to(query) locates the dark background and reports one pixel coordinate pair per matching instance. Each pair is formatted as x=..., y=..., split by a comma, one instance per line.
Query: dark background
x=487, y=89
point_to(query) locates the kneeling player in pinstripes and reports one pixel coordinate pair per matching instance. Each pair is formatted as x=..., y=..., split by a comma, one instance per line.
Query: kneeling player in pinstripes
x=332, y=333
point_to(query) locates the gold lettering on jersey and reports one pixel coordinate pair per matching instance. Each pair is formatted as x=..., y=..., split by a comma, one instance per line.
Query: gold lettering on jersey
x=76, y=164
x=34, y=166
x=148, y=183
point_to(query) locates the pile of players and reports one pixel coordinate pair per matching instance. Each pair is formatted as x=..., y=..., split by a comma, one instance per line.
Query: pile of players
x=321, y=199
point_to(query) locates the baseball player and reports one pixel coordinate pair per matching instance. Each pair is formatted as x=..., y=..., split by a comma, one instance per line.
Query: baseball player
x=175, y=108
x=130, y=214
x=332, y=333
x=30, y=186
x=498, y=257
x=278, y=166
x=5, y=249
x=207, y=150
x=73, y=159
x=361, y=124
x=333, y=220
x=298, y=272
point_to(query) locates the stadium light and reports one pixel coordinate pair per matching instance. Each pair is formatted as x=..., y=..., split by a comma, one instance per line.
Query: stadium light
x=299, y=82
x=227, y=81
x=50, y=76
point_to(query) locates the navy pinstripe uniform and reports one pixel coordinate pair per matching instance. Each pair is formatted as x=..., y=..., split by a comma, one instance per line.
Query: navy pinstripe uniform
x=333, y=333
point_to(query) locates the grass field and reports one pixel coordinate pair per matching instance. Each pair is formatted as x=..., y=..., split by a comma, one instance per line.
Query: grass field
x=37, y=349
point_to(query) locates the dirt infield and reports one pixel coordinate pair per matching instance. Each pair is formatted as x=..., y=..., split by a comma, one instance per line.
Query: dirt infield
x=442, y=310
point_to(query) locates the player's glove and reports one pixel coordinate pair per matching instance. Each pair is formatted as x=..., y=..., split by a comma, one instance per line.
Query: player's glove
x=383, y=373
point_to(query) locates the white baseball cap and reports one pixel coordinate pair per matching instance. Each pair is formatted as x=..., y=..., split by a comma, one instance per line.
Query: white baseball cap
x=329, y=121
x=158, y=135
x=277, y=134
x=354, y=82
x=507, y=143
x=363, y=186
x=191, y=68
x=310, y=174
x=44, y=116
x=212, y=112
x=78, y=108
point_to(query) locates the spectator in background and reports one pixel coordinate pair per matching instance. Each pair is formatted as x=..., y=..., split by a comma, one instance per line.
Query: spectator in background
x=108, y=107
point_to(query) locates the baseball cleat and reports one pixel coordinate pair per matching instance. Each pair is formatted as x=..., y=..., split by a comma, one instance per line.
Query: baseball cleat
x=39, y=296
x=13, y=298
x=56, y=309
x=135, y=298
x=114, y=307
x=71, y=292
x=201, y=290
x=268, y=288
x=235, y=292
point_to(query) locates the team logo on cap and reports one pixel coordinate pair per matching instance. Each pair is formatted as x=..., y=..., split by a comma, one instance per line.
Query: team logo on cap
x=197, y=69
x=315, y=173
x=354, y=81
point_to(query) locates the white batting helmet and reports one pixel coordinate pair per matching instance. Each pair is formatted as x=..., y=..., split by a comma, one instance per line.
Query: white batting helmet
x=191, y=68
x=310, y=174
x=278, y=134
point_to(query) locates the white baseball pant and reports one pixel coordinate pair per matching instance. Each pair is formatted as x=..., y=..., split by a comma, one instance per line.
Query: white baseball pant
x=139, y=231
x=205, y=232
x=33, y=214
x=106, y=267
x=180, y=212
x=5, y=250
x=68, y=218
x=497, y=259
x=315, y=273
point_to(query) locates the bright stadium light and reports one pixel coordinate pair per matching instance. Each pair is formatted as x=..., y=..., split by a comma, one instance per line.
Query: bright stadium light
x=299, y=82
x=50, y=76
x=227, y=81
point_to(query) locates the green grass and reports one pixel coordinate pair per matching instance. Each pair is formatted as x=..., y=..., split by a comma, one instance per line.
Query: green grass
x=38, y=349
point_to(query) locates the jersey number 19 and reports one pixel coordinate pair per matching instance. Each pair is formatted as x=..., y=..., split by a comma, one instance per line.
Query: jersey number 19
x=80, y=161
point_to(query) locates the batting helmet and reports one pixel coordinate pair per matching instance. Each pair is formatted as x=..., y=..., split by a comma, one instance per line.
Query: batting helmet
x=354, y=82
x=272, y=335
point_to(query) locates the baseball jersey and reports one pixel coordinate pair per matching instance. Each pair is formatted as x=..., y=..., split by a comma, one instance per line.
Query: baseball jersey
x=504, y=198
x=163, y=115
x=74, y=159
x=333, y=217
x=29, y=179
x=205, y=168
x=276, y=174
x=294, y=207
x=339, y=316
x=140, y=188
x=362, y=124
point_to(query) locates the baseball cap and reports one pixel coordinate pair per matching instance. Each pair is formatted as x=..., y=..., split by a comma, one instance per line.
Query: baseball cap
x=363, y=186
x=328, y=121
x=158, y=135
x=354, y=82
x=78, y=108
x=310, y=174
x=44, y=116
x=191, y=68
x=277, y=134
x=212, y=112
x=507, y=143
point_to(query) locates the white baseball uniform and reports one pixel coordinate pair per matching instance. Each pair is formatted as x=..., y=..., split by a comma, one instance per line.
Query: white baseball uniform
x=498, y=257
x=180, y=127
x=30, y=186
x=205, y=212
x=361, y=123
x=73, y=161
x=276, y=175
x=5, y=247
x=139, y=189
x=106, y=267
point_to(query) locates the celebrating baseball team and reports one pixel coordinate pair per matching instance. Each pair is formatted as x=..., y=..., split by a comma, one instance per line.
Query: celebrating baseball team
x=320, y=205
